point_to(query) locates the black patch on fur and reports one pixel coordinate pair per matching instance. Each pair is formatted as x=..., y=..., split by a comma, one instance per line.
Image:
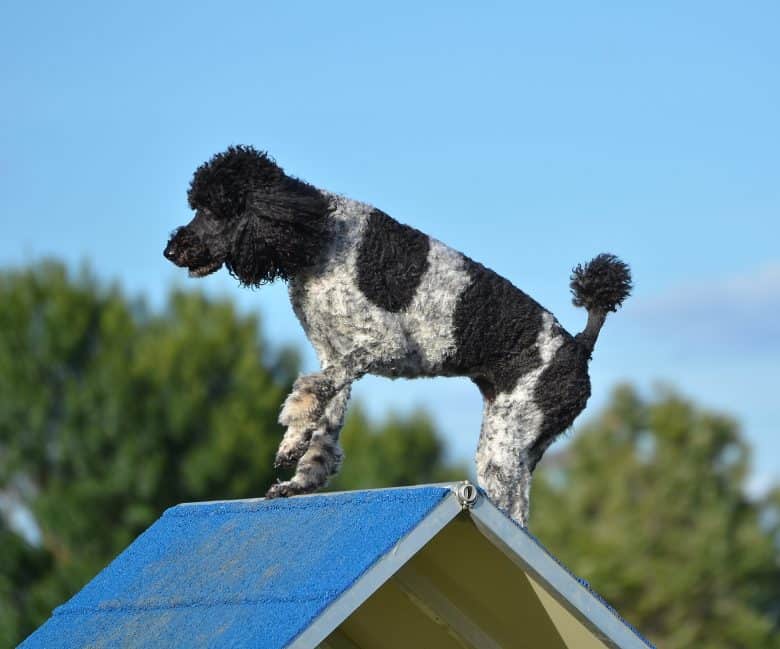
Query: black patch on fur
x=561, y=393
x=486, y=388
x=496, y=326
x=280, y=221
x=391, y=262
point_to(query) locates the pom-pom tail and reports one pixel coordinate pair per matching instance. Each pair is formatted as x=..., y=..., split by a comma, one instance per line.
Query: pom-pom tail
x=600, y=286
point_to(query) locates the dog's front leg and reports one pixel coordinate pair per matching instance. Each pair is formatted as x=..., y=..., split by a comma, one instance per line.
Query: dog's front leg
x=308, y=401
x=313, y=414
x=311, y=393
x=301, y=414
x=321, y=454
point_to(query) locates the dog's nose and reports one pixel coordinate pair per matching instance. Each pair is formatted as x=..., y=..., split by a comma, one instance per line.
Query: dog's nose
x=169, y=251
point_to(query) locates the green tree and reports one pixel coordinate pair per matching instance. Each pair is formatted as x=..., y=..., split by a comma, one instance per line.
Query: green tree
x=648, y=504
x=400, y=450
x=110, y=413
x=22, y=571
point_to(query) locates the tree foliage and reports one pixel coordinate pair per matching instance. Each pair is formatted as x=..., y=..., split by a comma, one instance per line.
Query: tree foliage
x=400, y=450
x=648, y=504
x=110, y=413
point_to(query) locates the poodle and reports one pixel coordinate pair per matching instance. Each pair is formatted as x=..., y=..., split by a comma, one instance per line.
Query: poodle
x=376, y=296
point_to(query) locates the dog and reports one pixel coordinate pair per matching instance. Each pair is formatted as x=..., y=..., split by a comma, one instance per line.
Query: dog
x=375, y=296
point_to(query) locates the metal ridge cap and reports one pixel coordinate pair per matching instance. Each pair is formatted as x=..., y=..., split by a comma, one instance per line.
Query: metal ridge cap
x=452, y=486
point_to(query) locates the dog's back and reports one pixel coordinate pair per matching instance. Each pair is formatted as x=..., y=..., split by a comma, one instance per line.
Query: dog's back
x=422, y=308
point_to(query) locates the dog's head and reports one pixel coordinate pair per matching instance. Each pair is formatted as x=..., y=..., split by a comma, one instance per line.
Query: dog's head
x=250, y=216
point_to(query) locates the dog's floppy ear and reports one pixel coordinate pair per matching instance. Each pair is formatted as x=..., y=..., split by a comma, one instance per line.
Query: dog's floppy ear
x=265, y=249
x=249, y=260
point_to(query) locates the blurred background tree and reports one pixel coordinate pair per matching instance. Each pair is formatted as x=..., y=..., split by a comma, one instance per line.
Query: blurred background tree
x=648, y=503
x=109, y=413
x=400, y=450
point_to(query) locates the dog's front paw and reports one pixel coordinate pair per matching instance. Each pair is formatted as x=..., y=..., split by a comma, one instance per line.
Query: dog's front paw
x=292, y=447
x=288, y=457
x=282, y=490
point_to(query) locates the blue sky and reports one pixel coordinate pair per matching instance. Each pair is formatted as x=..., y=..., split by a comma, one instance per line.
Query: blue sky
x=529, y=137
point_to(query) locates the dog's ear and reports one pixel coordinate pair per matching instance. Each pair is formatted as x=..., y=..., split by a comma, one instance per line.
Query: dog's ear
x=250, y=260
x=266, y=248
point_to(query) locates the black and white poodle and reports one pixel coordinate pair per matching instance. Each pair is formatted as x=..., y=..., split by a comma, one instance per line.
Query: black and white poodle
x=378, y=297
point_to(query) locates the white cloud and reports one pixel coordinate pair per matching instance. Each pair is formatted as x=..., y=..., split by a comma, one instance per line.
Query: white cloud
x=759, y=484
x=742, y=310
x=20, y=519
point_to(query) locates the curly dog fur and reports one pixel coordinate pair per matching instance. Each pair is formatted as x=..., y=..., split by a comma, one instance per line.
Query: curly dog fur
x=376, y=296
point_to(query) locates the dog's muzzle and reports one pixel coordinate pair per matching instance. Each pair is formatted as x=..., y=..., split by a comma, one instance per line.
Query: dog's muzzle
x=185, y=249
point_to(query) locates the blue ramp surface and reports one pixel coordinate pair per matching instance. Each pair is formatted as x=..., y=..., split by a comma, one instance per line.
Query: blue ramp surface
x=236, y=574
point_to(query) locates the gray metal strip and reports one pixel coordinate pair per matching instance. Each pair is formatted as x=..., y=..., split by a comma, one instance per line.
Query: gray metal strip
x=444, y=485
x=572, y=595
x=387, y=565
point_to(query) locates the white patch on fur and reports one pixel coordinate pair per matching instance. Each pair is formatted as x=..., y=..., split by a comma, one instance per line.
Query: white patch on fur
x=428, y=320
x=337, y=317
x=342, y=323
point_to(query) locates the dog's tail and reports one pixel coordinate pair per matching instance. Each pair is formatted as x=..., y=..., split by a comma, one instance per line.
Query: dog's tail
x=600, y=286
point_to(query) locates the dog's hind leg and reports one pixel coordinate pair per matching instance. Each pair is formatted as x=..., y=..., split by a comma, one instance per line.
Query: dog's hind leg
x=505, y=455
x=321, y=455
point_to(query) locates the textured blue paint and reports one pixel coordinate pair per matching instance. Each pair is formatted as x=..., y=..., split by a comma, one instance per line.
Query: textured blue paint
x=235, y=574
